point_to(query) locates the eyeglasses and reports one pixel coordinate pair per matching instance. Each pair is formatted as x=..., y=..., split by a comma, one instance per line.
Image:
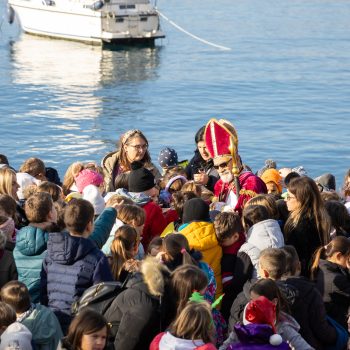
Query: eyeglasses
x=139, y=147
x=222, y=165
x=288, y=197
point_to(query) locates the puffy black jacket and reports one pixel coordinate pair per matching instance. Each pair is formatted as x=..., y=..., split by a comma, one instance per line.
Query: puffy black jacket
x=72, y=265
x=307, y=307
x=333, y=282
x=136, y=313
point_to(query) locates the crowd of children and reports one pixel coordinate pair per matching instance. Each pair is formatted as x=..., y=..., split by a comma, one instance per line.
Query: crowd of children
x=203, y=255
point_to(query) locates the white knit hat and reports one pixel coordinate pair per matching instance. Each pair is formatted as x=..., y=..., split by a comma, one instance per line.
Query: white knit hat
x=24, y=180
x=16, y=337
x=92, y=194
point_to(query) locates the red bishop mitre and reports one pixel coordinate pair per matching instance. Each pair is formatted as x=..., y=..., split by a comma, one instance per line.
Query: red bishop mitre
x=222, y=141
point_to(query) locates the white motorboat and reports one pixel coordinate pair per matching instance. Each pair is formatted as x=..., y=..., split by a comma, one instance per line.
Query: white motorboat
x=93, y=21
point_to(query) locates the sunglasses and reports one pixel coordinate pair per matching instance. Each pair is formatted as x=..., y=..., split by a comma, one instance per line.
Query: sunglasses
x=222, y=165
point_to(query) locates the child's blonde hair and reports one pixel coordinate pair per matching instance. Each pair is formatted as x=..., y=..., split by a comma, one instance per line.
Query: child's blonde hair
x=117, y=199
x=267, y=201
x=194, y=323
x=191, y=186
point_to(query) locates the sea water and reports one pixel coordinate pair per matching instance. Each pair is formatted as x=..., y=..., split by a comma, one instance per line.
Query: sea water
x=285, y=85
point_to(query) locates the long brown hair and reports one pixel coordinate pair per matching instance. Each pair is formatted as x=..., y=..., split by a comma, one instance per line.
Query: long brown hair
x=194, y=323
x=184, y=281
x=177, y=248
x=86, y=322
x=339, y=244
x=122, y=247
x=124, y=140
x=311, y=207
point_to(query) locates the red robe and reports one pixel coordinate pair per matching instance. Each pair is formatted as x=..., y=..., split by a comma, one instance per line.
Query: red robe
x=251, y=185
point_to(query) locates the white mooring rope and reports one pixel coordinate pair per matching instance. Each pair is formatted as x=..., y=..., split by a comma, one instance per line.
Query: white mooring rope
x=192, y=35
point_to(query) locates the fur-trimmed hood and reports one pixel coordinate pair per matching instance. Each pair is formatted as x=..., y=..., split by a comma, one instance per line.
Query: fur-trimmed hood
x=152, y=279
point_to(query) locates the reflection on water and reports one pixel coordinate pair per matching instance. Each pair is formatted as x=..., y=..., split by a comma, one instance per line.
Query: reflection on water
x=59, y=63
x=66, y=90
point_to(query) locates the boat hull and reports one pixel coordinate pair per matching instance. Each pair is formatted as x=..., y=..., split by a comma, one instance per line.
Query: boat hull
x=72, y=21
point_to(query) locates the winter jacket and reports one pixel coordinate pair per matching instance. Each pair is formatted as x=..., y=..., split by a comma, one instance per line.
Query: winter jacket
x=155, y=223
x=251, y=185
x=228, y=262
x=30, y=250
x=307, y=307
x=43, y=324
x=31, y=245
x=237, y=308
x=264, y=234
x=166, y=341
x=333, y=282
x=305, y=238
x=201, y=236
x=252, y=337
x=8, y=270
x=286, y=327
x=197, y=164
x=110, y=166
x=136, y=313
x=76, y=261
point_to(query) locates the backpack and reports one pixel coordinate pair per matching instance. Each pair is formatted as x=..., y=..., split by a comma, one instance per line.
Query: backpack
x=99, y=297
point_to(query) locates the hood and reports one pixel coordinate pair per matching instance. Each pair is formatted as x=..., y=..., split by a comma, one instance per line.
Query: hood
x=247, y=286
x=31, y=240
x=200, y=234
x=285, y=319
x=43, y=324
x=152, y=279
x=108, y=162
x=169, y=342
x=65, y=249
x=266, y=234
x=16, y=336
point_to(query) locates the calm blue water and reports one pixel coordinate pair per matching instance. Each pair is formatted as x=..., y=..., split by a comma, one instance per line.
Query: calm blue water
x=285, y=85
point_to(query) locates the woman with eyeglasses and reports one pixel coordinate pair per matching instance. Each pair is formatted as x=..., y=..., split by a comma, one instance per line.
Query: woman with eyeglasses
x=133, y=146
x=201, y=167
x=308, y=225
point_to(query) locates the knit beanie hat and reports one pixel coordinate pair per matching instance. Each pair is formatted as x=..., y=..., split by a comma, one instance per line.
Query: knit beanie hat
x=272, y=175
x=167, y=158
x=16, y=337
x=327, y=181
x=140, y=179
x=92, y=194
x=88, y=177
x=195, y=209
x=269, y=164
x=300, y=170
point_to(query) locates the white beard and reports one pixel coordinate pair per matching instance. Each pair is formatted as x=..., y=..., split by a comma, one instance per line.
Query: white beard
x=226, y=177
